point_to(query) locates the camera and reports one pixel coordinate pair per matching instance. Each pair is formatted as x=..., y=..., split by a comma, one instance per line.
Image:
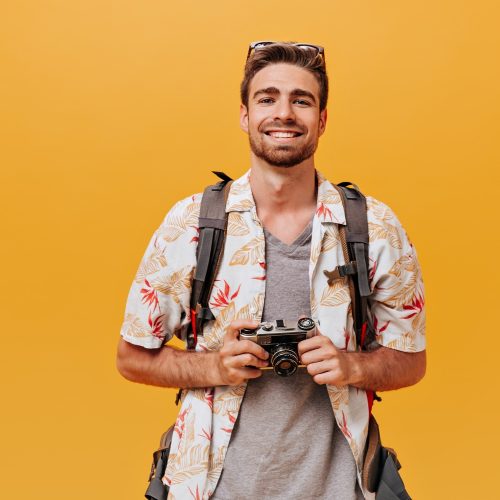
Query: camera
x=280, y=338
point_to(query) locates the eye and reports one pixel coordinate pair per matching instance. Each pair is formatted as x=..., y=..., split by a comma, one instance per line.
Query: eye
x=302, y=102
x=266, y=100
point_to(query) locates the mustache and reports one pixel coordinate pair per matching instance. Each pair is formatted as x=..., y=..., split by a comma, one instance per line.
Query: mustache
x=280, y=126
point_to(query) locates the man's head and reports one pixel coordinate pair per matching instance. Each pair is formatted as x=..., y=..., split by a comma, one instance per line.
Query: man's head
x=284, y=94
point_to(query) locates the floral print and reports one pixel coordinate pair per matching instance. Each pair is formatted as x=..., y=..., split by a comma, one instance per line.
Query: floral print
x=158, y=305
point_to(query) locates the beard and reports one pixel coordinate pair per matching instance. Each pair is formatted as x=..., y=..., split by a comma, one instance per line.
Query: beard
x=281, y=155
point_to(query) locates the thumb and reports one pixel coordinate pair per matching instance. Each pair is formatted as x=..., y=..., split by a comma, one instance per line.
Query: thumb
x=233, y=330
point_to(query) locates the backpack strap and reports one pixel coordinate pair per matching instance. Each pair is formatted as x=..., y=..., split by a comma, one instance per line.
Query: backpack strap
x=354, y=239
x=212, y=225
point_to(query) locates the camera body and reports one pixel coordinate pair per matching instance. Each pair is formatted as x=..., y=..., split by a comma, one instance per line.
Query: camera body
x=280, y=339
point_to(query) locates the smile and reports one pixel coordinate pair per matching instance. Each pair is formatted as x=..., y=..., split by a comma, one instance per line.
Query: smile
x=282, y=134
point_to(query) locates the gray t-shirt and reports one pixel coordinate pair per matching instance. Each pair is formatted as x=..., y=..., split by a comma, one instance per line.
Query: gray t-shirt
x=286, y=443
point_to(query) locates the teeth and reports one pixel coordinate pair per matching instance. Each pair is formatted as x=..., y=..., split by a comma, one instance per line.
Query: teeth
x=283, y=134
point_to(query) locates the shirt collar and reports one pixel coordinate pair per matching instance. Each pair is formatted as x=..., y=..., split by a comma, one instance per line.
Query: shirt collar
x=329, y=206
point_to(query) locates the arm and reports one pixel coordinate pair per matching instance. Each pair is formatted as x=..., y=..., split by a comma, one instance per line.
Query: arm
x=386, y=369
x=383, y=369
x=170, y=367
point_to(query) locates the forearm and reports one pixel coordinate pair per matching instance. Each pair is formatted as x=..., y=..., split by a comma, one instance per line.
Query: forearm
x=168, y=367
x=385, y=369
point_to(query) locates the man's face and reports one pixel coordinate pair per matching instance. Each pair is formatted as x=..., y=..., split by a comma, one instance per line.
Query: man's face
x=283, y=120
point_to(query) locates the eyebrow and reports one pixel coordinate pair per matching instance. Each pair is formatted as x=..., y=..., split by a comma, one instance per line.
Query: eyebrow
x=294, y=93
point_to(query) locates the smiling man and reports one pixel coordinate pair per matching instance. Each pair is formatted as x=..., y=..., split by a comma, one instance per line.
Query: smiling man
x=243, y=432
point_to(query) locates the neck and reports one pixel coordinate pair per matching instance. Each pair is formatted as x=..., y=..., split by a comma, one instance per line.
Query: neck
x=283, y=189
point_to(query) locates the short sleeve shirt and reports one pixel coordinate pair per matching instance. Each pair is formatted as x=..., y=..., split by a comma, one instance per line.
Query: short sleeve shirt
x=158, y=305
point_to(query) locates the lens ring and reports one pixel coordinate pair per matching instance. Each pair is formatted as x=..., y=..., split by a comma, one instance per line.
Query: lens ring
x=284, y=361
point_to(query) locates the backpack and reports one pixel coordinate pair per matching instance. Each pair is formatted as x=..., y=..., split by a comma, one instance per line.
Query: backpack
x=380, y=470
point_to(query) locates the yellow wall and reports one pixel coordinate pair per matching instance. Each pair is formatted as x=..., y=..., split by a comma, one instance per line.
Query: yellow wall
x=111, y=111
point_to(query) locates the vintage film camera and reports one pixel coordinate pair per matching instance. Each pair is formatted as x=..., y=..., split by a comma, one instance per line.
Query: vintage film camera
x=280, y=338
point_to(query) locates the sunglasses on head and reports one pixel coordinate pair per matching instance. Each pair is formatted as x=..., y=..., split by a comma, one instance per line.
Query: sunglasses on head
x=254, y=46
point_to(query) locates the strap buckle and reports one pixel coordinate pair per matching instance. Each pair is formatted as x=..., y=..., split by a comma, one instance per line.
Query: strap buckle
x=340, y=272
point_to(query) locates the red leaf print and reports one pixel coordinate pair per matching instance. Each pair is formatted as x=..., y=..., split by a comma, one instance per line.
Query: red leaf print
x=205, y=435
x=156, y=325
x=261, y=278
x=324, y=211
x=209, y=396
x=343, y=426
x=197, y=237
x=379, y=331
x=231, y=418
x=224, y=296
x=226, y=430
x=416, y=306
x=235, y=294
x=196, y=495
x=179, y=424
x=373, y=270
x=150, y=296
x=347, y=337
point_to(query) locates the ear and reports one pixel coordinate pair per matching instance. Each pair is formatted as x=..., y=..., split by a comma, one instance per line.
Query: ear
x=244, y=118
x=322, y=121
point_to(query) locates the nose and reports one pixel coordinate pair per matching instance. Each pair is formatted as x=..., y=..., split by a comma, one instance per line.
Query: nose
x=284, y=110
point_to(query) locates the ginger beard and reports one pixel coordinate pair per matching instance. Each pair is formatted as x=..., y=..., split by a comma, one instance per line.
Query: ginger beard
x=282, y=155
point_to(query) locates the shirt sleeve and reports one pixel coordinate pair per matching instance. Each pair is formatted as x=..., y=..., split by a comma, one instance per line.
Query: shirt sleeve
x=158, y=300
x=397, y=303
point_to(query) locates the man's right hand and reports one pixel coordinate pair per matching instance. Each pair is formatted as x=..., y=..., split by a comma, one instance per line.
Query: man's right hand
x=240, y=360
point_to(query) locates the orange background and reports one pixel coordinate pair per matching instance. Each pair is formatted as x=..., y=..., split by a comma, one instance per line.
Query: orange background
x=111, y=111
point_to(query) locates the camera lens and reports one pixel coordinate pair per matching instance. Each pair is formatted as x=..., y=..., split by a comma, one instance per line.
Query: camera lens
x=284, y=360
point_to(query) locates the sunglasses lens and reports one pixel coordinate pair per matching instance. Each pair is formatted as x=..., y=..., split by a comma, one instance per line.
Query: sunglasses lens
x=262, y=44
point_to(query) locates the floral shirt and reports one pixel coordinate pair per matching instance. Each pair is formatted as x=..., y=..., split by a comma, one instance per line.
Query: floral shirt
x=158, y=305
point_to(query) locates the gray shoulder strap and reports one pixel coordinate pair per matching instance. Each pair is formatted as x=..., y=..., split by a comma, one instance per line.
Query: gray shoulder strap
x=212, y=225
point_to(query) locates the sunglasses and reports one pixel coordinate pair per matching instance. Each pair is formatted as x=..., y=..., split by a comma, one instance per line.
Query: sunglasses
x=254, y=46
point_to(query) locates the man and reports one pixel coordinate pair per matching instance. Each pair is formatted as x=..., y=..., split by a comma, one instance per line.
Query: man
x=293, y=437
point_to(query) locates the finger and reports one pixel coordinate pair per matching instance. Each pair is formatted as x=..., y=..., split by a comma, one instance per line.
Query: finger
x=233, y=330
x=238, y=324
x=247, y=346
x=319, y=367
x=311, y=343
x=248, y=373
x=323, y=379
x=317, y=355
x=246, y=360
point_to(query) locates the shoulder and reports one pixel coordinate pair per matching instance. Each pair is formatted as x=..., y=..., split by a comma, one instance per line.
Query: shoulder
x=182, y=216
x=384, y=226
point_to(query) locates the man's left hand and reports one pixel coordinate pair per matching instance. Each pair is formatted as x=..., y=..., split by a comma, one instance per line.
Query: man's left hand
x=325, y=363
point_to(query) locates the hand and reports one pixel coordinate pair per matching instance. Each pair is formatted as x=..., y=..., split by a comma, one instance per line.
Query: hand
x=325, y=363
x=240, y=360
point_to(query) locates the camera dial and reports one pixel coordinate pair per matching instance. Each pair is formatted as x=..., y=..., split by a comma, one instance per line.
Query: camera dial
x=305, y=324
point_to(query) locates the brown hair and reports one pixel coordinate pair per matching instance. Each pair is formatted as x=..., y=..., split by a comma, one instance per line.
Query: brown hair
x=284, y=52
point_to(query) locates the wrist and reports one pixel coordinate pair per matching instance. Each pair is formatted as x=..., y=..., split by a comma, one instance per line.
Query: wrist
x=214, y=369
x=355, y=368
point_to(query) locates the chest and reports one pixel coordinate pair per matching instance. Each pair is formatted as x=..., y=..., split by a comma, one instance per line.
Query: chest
x=240, y=286
x=286, y=227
